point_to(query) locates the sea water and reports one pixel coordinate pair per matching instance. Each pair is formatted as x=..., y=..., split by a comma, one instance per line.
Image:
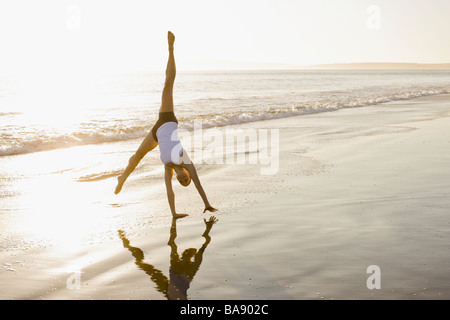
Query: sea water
x=51, y=112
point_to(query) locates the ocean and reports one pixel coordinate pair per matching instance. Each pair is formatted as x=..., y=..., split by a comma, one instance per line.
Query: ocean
x=52, y=112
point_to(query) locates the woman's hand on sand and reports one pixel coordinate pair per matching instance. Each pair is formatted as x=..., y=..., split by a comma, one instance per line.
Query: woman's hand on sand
x=209, y=208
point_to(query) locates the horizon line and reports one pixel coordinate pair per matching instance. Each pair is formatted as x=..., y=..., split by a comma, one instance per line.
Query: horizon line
x=229, y=65
x=221, y=65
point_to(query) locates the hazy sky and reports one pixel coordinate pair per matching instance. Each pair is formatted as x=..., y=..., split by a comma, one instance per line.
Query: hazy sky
x=131, y=34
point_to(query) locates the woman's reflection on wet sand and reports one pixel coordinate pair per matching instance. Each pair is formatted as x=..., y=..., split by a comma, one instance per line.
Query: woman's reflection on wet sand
x=182, y=269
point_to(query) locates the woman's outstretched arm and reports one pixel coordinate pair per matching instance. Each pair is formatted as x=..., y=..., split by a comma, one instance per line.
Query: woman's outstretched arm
x=194, y=176
x=168, y=174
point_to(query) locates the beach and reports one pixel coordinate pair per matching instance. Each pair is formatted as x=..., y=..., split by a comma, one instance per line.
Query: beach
x=353, y=188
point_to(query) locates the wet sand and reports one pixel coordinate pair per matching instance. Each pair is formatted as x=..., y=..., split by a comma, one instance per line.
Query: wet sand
x=354, y=188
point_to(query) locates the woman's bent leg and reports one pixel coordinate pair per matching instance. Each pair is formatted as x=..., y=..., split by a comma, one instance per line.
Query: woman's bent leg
x=146, y=146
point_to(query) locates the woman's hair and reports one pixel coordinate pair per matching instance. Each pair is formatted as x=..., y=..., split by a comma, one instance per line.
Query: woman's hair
x=184, y=178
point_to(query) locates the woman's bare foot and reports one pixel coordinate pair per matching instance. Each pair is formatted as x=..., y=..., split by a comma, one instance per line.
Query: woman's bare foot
x=170, y=39
x=120, y=182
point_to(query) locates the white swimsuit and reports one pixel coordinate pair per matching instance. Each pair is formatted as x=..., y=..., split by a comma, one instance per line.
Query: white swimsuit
x=169, y=144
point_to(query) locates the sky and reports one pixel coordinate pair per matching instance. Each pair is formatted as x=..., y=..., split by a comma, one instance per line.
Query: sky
x=130, y=35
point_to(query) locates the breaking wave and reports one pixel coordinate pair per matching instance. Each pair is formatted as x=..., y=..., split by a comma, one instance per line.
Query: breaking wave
x=302, y=105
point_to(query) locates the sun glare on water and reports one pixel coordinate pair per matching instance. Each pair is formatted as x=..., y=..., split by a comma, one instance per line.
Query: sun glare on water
x=60, y=210
x=54, y=99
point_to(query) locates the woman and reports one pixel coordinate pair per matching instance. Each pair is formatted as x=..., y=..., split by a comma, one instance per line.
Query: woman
x=164, y=134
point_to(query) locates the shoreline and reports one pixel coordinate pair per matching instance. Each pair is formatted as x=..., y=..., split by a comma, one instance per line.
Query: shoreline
x=79, y=139
x=355, y=187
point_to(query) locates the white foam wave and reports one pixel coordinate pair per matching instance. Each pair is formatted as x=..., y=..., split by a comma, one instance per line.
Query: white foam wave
x=43, y=143
x=323, y=102
x=348, y=100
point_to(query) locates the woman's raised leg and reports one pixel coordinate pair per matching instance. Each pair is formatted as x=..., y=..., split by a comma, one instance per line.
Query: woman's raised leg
x=167, y=95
